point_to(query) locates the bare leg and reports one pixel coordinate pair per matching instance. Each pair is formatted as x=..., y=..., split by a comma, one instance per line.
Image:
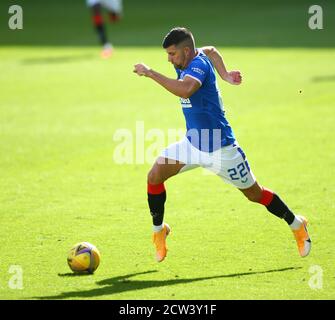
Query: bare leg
x=254, y=193
x=160, y=172
x=276, y=206
x=163, y=170
x=270, y=200
x=99, y=23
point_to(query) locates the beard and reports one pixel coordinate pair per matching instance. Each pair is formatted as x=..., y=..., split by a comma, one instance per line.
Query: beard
x=178, y=66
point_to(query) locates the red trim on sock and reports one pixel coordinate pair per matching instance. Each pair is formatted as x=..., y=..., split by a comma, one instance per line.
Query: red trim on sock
x=156, y=188
x=267, y=196
x=98, y=19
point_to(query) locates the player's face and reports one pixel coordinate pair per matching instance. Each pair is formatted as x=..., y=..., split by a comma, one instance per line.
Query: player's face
x=176, y=56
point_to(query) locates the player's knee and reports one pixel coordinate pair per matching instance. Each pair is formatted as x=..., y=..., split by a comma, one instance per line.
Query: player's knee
x=154, y=177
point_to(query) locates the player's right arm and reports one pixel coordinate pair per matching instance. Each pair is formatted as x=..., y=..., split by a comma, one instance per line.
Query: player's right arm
x=232, y=77
x=182, y=88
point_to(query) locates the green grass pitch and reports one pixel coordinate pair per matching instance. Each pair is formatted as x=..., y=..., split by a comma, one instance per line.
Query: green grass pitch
x=60, y=108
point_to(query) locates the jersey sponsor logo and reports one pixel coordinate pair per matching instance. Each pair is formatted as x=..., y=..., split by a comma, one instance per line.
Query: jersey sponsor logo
x=198, y=70
x=185, y=103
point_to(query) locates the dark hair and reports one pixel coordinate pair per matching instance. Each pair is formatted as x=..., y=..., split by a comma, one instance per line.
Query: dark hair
x=178, y=36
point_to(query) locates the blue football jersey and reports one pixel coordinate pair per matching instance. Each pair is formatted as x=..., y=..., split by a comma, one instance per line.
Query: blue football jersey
x=207, y=127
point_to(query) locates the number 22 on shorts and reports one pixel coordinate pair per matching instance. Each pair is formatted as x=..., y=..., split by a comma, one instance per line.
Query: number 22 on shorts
x=239, y=172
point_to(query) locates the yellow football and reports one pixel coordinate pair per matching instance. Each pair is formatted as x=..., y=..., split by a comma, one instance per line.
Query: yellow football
x=83, y=257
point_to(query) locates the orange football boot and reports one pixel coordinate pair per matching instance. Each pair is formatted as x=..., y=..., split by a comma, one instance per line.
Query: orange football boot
x=159, y=240
x=303, y=240
x=107, y=51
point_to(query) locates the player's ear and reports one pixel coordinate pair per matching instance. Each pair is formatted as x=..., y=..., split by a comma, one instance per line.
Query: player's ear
x=187, y=51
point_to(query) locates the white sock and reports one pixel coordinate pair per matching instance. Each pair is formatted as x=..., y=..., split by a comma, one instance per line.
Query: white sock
x=296, y=224
x=157, y=228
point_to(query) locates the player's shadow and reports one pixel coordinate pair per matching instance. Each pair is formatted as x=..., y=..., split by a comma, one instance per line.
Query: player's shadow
x=329, y=78
x=122, y=284
x=73, y=274
x=57, y=59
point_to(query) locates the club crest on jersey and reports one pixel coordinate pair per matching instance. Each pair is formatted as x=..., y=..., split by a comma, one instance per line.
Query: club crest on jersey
x=185, y=103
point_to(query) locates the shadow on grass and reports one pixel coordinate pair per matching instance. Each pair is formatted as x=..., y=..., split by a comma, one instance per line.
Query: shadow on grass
x=73, y=274
x=122, y=284
x=59, y=59
x=329, y=78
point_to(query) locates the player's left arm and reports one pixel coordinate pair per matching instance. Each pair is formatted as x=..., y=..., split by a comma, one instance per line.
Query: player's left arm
x=182, y=88
x=232, y=77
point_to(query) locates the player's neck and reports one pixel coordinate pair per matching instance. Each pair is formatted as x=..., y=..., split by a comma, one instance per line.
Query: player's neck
x=190, y=58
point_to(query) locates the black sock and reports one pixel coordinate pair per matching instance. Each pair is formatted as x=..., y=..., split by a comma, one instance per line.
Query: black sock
x=101, y=33
x=156, y=204
x=98, y=22
x=280, y=209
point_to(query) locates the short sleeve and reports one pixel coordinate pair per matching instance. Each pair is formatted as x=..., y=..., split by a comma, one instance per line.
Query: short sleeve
x=197, y=70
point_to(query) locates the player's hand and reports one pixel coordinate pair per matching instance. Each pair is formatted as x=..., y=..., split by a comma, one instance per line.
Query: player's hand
x=234, y=77
x=141, y=69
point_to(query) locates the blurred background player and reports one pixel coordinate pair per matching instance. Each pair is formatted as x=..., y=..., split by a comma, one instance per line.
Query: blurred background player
x=114, y=9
